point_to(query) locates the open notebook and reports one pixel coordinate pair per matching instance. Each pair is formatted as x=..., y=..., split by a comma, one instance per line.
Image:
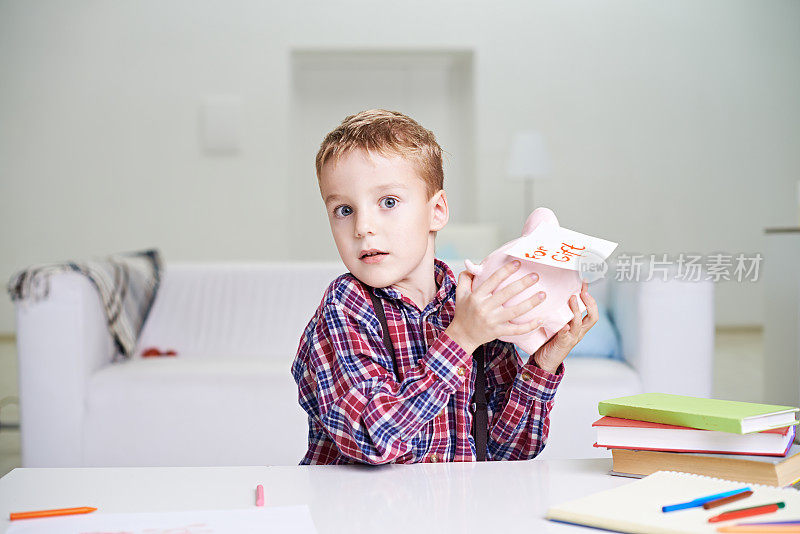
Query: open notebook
x=636, y=507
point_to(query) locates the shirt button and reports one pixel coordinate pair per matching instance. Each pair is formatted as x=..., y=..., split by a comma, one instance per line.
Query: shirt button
x=526, y=376
x=460, y=371
x=434, y=458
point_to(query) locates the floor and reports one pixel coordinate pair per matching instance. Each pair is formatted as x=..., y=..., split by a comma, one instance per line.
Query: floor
x=738, y=375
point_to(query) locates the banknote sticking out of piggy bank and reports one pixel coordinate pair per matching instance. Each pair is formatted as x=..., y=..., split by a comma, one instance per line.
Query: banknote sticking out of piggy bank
x=557, y=283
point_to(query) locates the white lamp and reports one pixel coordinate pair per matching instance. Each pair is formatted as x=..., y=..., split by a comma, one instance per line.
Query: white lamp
x=528, y=160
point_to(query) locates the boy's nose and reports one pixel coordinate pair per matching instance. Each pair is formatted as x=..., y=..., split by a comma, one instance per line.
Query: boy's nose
x=364, y=226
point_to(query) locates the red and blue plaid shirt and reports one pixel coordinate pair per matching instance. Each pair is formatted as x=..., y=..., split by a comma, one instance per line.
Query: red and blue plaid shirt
x=359, y=412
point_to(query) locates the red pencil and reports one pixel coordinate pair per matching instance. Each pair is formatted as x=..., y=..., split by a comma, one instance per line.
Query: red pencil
x=50, y=513
x=747, y=512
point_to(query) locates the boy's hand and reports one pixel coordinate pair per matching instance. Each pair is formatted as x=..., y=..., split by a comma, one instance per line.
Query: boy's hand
x=480, y=316
x=551, y=354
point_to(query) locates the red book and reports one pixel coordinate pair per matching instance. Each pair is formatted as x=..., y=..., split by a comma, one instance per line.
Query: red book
x=616, y=433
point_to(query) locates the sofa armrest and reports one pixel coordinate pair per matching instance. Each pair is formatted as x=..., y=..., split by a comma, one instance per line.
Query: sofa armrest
x=667, y=333
x=61, y=340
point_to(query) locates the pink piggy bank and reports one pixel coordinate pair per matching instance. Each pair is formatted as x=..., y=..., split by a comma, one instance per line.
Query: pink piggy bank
x=558, y=285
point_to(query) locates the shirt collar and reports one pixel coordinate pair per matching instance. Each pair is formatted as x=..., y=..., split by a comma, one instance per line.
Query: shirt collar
x=445, y=281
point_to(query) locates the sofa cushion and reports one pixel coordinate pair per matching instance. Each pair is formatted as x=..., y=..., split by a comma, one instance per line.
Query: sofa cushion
x=131, y=407
x=602, y=341
x=153, y=412
x=586, y=382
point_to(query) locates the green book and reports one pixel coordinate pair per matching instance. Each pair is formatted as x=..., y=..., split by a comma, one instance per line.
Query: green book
x=695, y=412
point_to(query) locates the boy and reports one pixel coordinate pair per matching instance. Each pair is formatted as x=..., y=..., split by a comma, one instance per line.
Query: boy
x=380, y=176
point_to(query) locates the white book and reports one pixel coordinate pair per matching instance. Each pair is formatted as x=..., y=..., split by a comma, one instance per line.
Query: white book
x=617, y=433
x=636, y=507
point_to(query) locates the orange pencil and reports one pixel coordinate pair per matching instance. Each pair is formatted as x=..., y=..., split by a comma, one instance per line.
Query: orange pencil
x=51, y=513
x=774, y=529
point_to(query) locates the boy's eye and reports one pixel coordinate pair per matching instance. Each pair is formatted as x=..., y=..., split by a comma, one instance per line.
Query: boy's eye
x=390, y=202
x=342, y=211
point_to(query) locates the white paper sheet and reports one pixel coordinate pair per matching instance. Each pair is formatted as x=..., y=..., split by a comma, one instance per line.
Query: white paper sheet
x=561, y=247
x=283, y=519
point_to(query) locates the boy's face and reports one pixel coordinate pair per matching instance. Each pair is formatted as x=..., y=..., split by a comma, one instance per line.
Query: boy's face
x=381, y=204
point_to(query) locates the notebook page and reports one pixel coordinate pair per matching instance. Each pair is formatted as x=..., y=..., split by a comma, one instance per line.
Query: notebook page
x=636, y=507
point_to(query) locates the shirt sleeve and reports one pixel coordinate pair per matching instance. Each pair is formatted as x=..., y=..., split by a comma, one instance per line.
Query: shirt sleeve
x=363, y=408
x=520, y=398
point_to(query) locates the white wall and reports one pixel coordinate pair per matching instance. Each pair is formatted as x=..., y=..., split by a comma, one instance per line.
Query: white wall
x=673, y=126
x=435, y=86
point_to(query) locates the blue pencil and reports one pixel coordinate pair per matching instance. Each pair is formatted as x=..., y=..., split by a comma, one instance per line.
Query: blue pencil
x=702, y=500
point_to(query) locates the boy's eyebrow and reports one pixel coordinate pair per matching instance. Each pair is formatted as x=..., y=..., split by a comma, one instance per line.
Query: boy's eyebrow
x=393, y=185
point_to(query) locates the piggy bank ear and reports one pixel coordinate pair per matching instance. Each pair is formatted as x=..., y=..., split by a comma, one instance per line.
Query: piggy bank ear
x=472, y=268
x=539, y=216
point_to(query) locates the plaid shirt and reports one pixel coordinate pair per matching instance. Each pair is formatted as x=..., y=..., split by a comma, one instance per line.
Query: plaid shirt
x=359, y=412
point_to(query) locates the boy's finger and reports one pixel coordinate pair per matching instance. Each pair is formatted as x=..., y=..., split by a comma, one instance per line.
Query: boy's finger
x=512, y=312
x=525, y=328
x=464, y=284
x=497, y=277
x=501, y=296
x=593, y=313
x=562, y=337
x=575, y=323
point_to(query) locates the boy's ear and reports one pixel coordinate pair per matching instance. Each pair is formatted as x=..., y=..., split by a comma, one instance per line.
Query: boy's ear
x=440, y=213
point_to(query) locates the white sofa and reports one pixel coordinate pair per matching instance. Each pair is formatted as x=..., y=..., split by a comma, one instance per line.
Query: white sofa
x=228, y=398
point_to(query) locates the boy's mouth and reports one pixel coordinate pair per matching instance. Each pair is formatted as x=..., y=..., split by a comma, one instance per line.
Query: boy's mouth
x=365, y=254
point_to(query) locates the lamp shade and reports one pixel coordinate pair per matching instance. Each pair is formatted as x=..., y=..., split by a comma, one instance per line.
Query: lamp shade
x=528, y=158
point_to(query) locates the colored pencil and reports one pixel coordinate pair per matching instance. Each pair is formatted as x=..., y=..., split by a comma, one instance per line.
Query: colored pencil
x=787, y=529
x=792, y=522
x=726, y=500
x=50, y=513
x=702, y=500
x=747, y=512
x=259, y=495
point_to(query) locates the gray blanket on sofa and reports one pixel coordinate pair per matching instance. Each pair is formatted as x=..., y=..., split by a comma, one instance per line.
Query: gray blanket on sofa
x=127, y=284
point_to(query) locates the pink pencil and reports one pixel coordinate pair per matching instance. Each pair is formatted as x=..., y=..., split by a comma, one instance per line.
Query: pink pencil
x=259, y=495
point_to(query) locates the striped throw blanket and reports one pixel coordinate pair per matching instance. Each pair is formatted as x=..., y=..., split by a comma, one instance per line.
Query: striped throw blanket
x=127, y=284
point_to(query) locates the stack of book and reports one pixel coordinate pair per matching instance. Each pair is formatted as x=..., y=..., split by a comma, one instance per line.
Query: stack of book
x=740, y=441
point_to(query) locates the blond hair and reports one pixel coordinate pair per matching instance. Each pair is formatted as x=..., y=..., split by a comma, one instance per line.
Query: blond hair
x=388, y=133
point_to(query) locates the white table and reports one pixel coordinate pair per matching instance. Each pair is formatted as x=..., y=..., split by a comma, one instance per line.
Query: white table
x=442, y=498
